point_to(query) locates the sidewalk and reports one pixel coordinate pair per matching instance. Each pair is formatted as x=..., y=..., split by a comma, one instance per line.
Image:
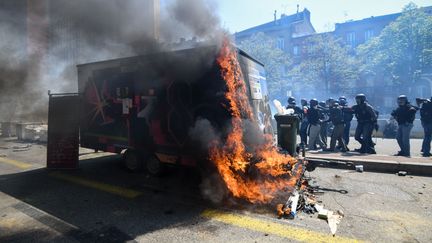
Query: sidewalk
x=383, y=161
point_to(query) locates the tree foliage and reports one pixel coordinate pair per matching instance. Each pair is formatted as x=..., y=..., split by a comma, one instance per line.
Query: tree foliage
x=326, y=65
x=403, y=50
x=264, y=48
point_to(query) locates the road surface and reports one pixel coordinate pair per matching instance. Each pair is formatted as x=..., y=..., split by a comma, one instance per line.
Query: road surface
x=102, y=202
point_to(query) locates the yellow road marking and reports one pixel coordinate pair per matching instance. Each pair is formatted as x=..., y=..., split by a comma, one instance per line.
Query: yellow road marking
x=16, y=163
x=282, y=230
x=120, y=191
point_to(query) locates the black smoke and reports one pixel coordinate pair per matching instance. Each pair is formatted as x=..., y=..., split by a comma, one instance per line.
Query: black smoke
x=82, y=31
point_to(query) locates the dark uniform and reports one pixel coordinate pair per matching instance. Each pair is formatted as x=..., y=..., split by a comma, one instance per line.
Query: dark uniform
x=366, y=120
x=405, y=116
x=314, y=117
x=426, y=120
x=305, y=123
x=297, y=110
x=337, y=119
x=348, y=116
x=324, y=124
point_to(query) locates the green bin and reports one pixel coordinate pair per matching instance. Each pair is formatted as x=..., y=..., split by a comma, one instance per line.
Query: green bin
x=287, y=129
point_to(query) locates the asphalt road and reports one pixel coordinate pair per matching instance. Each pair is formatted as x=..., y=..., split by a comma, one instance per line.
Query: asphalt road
x=102, y=202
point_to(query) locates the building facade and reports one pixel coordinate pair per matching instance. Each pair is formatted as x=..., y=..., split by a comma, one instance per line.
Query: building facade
x=284, y=29
x=293, y=31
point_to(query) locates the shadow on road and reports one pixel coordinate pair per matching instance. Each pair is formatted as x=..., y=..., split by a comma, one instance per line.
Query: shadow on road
x=164, y=202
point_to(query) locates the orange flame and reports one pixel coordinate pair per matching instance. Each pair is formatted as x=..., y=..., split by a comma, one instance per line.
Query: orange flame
x=258, y=174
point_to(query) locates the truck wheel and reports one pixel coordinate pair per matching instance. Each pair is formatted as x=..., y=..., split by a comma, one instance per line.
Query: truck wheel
x=132, y=161
x=154, y=166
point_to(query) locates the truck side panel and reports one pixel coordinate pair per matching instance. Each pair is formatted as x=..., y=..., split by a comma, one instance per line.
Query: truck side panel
x=150, y=103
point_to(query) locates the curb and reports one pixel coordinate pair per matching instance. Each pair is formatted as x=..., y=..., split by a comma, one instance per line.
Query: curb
x=382, y=166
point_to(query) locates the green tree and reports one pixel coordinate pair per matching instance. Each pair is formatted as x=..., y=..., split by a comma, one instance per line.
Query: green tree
x=264, y=48
x=403, y=50
x=326, y=66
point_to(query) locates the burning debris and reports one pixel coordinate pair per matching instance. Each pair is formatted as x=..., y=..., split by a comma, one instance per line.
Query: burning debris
x=255, y=172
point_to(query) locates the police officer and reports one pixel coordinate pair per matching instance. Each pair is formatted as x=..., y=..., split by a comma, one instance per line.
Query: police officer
x=324, y=124
x=292, y=105
x=337, y=119
x=348, y=116
x=405, y=116
x=426, y=120
x=315, y=117
x=304, y=124
x=366, y=120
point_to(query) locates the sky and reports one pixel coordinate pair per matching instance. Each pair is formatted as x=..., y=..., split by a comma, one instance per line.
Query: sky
x=237, y=15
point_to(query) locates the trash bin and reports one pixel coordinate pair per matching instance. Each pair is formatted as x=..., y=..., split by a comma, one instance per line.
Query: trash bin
x=287, y=128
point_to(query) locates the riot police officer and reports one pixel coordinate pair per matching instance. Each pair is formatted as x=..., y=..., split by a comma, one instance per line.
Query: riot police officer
x=337, y=119
x=315, y=117
x=426, y=120
x=293, y=105
x=348, y=116
x=304, y=124
x=366, y=120
x=325, y=122
x=405, y=116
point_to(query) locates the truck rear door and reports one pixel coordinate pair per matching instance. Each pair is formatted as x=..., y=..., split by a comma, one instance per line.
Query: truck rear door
x=63, y=131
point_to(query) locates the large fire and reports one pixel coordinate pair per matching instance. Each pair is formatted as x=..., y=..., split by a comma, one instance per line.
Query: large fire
x=258, y=174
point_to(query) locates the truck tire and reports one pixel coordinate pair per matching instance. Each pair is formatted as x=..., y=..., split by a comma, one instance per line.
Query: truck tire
x=132, y=161
x=154, y=166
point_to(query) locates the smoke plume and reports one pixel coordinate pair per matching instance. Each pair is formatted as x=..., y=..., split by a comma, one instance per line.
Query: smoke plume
x=43, y=41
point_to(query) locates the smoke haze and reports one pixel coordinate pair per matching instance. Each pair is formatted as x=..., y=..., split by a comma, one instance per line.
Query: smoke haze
x=39, y=50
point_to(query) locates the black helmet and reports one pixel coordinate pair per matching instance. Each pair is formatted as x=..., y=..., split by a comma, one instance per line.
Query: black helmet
x=335, y=103
x=313, y=102
x=343, y=100
x=402, y=100
x=304, y=102
x=360, y=98
x=291, y=101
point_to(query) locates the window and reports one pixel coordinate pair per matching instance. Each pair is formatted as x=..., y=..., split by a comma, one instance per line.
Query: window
x=295, y=50
x=281, y=43
x=369, y=34
x=350, y=39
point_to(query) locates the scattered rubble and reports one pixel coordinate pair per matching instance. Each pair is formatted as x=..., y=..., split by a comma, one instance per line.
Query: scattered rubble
x=333, y=220
x=402, y=173
x=304, y=200
x=289, y=209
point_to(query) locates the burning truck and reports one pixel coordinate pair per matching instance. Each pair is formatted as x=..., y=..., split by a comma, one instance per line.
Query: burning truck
x=206, y=105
